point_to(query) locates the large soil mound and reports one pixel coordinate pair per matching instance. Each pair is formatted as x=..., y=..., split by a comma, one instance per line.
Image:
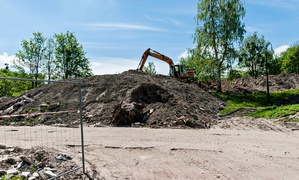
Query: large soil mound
x=163, y=102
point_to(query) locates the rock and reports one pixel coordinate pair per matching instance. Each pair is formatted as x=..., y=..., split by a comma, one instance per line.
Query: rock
x=63, y=157
x=50, y=174
x=43, y=107
x=50, y=169
x=2, y=146
x=35, y=174
x=25, y=174
x=26, y=160
x=42, y=174
x=12, y=171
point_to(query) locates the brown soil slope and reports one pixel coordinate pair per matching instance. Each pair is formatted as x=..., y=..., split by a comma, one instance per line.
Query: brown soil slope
x=279, y=82
x=167, y=102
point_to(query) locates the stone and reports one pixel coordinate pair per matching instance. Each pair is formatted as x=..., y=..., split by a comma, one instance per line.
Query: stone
x=25, y=174
x=32, y=178
x=50, y=174
x=12, y=171
x=50, y=169
x=26, y=160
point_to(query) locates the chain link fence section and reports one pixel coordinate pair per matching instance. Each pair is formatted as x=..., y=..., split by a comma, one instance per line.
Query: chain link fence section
x=59, y=138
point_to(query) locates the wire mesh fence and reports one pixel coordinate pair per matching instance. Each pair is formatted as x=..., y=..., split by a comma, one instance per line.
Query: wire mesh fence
x=15, y=131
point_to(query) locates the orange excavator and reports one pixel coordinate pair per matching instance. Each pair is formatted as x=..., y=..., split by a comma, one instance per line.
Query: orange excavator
x=177, y=71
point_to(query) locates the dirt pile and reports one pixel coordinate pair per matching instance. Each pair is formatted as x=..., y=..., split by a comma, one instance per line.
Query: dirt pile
x=36, y=163
x=284, y=81
x=166, y=101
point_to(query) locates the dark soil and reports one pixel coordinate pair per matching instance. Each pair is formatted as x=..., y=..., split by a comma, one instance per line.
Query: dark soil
x=284, y=81
x=161, y=101
x=167, y=102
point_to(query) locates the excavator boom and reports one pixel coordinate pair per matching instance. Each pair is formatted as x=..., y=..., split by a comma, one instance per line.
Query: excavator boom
x=155, y=54
x=175, y=70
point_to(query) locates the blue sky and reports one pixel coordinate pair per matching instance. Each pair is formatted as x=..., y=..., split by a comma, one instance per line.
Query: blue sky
x=115, y=33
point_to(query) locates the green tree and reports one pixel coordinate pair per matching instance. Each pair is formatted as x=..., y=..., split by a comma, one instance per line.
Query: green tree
x=219, y=27
x=31, y=56
x=290, y=60
x=150, y=68
x=13, y=88
x=252, y=54
x=49, y=59
x=205, y=69
x=275, y=66
x=70, y=57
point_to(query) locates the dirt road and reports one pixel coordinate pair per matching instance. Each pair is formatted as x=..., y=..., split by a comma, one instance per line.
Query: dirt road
x=141, y=153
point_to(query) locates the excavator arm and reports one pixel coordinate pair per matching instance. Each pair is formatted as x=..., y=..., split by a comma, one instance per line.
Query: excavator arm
x=175, y=70
x=155, y=54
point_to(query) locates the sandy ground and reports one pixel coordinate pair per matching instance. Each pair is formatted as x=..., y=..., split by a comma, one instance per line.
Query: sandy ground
x=142, y=153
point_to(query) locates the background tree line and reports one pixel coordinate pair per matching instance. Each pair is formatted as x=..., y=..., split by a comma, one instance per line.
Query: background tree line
x=221, y=50
x=41, y=58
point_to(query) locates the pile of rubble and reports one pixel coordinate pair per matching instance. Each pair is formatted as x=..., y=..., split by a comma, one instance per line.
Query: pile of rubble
x=128, y=99
x=35, y=163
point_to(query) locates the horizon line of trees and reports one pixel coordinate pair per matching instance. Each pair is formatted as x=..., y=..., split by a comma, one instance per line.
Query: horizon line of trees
x=40, y=58
x=222, y=50
x=53, y=58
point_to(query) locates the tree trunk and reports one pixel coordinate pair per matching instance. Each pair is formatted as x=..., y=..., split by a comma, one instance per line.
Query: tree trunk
x=219, y=88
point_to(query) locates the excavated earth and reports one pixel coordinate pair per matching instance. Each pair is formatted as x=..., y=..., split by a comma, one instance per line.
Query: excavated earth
x=283, y=81
x=164, y=101
x=155, y=101
x=158, y=102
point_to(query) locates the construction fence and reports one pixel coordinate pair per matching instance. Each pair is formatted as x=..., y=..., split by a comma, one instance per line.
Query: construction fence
x=58, y=140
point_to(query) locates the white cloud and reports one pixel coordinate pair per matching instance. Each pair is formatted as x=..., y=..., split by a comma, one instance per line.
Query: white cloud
x=173, y=21
x=280, y=49
x=184, y=54
x=110, y=65
x=5, y=58
x=120, y=26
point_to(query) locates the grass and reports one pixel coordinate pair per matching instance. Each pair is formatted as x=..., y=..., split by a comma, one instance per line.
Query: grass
x=259, y=102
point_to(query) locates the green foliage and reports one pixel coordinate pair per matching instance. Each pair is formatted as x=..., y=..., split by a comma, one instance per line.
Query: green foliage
x=275, y=66
x=13, y=88
x=219, y=27
x=259, y=101
x=53, y=58
x=290, y=60
x=70, y=57
x=205, y=69
x=150, y=68
x=252, y=55
x=233, y=74
x=49, y=64
x=31, y=56
x=8, y=177
x=276, y=111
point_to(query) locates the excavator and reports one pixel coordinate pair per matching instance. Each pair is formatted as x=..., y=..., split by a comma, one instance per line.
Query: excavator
x=177, y=71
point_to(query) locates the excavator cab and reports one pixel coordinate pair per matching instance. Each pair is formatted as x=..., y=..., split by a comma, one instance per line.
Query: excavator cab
x=179, y=71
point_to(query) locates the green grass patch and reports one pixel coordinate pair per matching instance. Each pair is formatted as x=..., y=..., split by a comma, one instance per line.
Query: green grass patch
x=276, y=111
x=259, y=101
